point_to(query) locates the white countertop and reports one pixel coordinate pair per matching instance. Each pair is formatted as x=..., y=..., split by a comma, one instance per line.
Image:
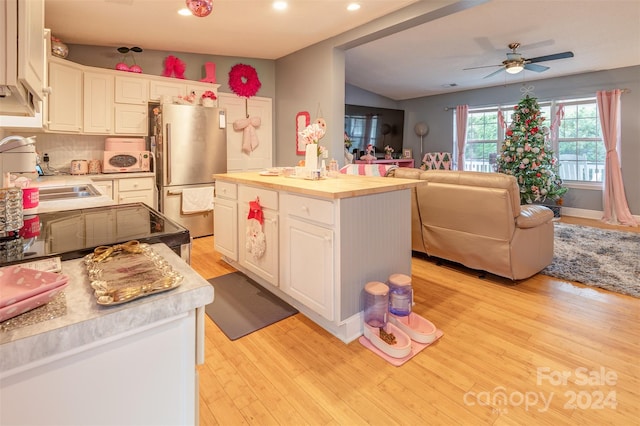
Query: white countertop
x=86, y=322
x=88, y=202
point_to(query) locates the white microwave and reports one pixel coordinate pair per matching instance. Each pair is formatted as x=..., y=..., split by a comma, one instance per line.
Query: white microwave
x=126, y=161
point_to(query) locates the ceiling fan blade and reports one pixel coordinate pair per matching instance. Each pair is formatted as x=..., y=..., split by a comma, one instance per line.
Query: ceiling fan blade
x=553, y=57
x=494, y=73
x=535, y=67
x=484, y=66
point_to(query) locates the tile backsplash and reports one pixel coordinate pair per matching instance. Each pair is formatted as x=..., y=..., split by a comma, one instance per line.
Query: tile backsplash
x=63, y=148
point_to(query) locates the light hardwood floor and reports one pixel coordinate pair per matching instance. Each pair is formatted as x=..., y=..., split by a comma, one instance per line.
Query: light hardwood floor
x=540, y=351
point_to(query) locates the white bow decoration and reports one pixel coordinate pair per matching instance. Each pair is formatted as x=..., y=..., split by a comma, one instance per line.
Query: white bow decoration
x=249, y=137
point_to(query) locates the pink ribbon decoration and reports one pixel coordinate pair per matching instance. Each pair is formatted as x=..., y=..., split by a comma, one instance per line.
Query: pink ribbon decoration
x=249, y=137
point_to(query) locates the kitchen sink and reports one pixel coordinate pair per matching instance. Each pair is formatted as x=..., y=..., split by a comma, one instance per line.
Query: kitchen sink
x=49, y=193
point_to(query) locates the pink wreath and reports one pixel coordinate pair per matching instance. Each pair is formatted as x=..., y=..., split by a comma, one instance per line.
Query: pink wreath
x=243, y=80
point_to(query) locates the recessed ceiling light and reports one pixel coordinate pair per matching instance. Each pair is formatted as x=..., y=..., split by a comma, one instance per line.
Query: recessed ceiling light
x=279, y=5
x=353, y=6
x=184, y=12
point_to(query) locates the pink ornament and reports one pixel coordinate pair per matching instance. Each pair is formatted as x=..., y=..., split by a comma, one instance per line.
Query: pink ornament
x=200, y=8
x=121, y=66
x=136, y=69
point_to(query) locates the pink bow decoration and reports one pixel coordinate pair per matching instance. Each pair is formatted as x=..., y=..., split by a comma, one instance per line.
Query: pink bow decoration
x=249, y=137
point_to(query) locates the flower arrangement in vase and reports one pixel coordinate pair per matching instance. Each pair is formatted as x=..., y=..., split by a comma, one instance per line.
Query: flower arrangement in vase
x=313, y=133
x=388, y=151
x=208, y=97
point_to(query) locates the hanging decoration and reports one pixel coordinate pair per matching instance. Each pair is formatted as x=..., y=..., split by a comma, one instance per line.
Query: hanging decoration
x=256, y=241
x=249, y=136
x=200, y=8
x=122, y=65
x=244, y=81
x=173, y=67
x=303, y=119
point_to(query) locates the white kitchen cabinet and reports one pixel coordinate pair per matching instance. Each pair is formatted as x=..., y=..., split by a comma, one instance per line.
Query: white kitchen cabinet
x=237, y=108
x=264, y=265
x=136, y=190
x=166, y=87
x=156, y=364
x=98, y=94
x=65, y=99
x=307, y=252
x=124, y=190
x=225, y=220
x=131, y=119
x=131, y=89
x=105, y=187
x=22, y=73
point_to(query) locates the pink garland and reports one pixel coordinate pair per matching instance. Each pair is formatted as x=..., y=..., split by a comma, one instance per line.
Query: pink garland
x=244, y=81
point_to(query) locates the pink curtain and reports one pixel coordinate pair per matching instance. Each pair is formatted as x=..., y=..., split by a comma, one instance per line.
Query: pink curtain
x=555, y=126
x=616, y=209
x=462, y=113
x=501, y=123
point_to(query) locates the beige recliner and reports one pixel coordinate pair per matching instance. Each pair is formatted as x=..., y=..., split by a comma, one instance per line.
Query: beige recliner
x=476, y=219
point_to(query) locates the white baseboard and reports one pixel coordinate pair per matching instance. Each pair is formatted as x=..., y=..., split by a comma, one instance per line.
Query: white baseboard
x=587, y=214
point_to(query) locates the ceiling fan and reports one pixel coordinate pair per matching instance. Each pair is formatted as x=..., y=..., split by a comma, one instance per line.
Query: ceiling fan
x=516, y=63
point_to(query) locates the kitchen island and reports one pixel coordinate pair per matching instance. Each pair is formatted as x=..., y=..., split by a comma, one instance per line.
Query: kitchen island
x=133, y=363
x=323, y=239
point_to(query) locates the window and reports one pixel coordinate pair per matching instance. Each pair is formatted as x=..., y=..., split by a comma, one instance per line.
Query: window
x=580, y=148
x=484, y=135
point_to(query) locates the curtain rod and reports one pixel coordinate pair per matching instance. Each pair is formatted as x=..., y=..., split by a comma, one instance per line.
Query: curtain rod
x=447, y=108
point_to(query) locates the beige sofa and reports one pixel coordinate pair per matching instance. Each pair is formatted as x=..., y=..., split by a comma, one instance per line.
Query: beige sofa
x=476, y=219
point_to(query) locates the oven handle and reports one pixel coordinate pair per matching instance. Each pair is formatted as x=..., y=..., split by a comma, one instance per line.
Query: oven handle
x=168, y=163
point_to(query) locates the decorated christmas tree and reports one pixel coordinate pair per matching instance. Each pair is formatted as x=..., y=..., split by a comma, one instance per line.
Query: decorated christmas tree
x=527, y=155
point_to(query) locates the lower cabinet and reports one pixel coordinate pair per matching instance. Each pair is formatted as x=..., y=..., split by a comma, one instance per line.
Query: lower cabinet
x=225, y=227
x=263, y=263
x=307, y=267
x=136, y=190
x=259, y=253
x=124, y=190
x=147, y=375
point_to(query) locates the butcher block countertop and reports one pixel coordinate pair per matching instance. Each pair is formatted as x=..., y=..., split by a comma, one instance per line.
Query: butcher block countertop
x=342, y=186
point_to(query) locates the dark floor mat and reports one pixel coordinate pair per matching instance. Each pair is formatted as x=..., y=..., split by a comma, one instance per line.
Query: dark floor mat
x=241, y=306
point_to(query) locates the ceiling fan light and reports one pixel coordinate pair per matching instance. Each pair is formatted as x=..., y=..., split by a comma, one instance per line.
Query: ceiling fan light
x=514, y=68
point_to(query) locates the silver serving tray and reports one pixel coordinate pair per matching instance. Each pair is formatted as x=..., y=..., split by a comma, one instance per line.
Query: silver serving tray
x=129, y=271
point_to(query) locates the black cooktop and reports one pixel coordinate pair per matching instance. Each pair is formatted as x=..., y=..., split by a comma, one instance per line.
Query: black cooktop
x=75, y=233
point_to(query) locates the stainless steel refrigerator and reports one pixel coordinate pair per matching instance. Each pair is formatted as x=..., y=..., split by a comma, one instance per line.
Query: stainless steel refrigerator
x=190, y=145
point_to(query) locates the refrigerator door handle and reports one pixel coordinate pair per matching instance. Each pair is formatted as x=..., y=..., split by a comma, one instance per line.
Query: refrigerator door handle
x=168, y=162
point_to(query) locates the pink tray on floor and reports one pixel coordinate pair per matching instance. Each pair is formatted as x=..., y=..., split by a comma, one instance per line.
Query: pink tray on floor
x=18, y=283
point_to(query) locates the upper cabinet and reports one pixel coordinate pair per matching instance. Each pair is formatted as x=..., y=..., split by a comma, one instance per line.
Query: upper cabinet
x=91, y=100
x=65, y=99
x=98, y=102
x=131, y=90
x=166, y=87
x=22, y=73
